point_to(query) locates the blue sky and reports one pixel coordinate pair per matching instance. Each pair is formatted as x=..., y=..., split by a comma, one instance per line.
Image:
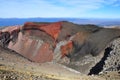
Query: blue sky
x=60, y=8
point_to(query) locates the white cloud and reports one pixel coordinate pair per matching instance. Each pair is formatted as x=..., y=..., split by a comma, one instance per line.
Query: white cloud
x=53, y=8
x=78, y=7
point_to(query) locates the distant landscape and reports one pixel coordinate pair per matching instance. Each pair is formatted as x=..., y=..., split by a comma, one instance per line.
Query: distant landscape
x=20, y=21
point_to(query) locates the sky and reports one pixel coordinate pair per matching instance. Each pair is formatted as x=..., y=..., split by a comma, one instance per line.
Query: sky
x=60, y=8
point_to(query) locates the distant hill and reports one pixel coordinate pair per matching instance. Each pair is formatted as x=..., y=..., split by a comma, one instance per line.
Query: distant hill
x=20, y=21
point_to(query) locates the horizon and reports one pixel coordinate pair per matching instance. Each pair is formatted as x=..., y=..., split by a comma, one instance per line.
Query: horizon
x=59, y=18
x=100, y=9
x=95, y=21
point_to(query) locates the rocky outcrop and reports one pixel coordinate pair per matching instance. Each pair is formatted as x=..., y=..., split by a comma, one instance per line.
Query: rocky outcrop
x=77, y=46
x=112, y=62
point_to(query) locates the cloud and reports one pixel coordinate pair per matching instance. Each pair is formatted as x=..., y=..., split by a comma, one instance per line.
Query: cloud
x=82, y=5
x=93, y=4
x=53, y=8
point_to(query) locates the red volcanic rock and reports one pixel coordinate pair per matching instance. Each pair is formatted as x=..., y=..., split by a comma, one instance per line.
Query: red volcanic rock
x=33, y=49
x=44, y=54
x=52, y=29
x=31, y=25
x=35, y=42
x=66, y=49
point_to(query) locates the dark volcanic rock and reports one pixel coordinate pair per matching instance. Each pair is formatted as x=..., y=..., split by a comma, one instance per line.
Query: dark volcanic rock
x=112, y=63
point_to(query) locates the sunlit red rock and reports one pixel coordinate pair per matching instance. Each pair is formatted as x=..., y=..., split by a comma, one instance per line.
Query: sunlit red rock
x=35, y=41
x=52, y=29
x=66, y=49
x=33, y=49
